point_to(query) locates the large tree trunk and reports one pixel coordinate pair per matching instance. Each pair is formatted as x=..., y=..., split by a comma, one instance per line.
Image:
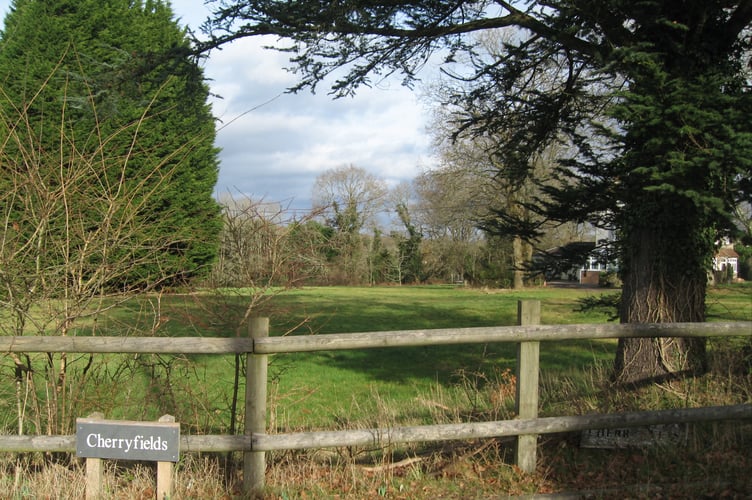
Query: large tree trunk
x=661, y=284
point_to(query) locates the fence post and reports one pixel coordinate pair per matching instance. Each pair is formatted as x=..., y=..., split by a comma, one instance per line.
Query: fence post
x=165, y=470
x=526, y=400
x=94, y=471
x=254, y=462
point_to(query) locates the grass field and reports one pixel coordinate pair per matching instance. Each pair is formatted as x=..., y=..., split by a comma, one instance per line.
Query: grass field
x=344, y=383
x=315, y=390
x=349, y=389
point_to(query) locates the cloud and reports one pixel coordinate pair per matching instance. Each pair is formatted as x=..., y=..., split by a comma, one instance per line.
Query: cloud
x=274, y=144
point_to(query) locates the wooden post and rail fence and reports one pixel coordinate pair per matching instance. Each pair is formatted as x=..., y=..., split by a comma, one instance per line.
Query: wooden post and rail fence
x=255, y=441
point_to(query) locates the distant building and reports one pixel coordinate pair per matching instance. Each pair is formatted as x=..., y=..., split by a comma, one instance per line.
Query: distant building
x=580, y=261
x=726, y=258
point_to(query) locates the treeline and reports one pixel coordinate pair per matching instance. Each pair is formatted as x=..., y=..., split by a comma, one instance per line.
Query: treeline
x=261, y=246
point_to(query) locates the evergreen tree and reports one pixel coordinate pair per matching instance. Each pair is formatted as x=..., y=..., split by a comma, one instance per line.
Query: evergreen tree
x=408, y=248
x=650, y=97
x=75, y=72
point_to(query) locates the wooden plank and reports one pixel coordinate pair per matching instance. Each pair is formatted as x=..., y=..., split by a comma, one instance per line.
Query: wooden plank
x=428, y=433
x=368, y=340
x=28, y=444
x=526, y=397
x=214, y=443
x=504, y=428
x=254, y=462
x=67, y=443
x=481, y=335
x=157, y=345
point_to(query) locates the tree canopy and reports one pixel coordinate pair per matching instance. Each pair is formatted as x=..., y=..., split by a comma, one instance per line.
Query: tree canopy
x=650, y=100
x=74, y=75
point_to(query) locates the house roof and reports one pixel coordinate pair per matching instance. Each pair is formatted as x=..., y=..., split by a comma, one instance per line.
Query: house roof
x=726, y=252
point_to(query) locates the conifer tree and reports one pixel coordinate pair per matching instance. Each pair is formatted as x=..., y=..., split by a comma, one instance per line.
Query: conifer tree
x=78, y=71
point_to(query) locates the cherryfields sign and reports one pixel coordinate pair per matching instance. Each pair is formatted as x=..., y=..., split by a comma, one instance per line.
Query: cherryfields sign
x=127, y=440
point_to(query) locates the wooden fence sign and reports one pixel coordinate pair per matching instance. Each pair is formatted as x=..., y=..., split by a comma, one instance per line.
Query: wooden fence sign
x=128, y=440
x=634, y=437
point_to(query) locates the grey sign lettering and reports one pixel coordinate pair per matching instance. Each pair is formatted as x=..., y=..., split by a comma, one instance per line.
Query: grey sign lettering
x=662, y=434
x=127, y=440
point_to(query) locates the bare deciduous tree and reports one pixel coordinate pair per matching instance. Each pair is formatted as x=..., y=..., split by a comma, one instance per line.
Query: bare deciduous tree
x=350, y=198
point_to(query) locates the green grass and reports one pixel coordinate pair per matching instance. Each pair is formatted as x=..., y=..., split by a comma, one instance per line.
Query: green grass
x=730, y=302
x=344, y=309
x=323, y=388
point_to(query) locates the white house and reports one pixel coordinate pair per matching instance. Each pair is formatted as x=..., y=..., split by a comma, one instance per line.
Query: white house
x=581, y=261
x=726, y=258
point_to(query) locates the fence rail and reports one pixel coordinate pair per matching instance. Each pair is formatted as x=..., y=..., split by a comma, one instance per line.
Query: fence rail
x=368, y=340
x=256, y=442
x=423, y=433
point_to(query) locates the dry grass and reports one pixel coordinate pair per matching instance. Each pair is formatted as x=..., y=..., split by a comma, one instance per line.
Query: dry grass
x=195, y=477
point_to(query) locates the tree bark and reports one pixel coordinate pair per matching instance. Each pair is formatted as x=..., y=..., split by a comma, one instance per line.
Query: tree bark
x=660, y=288
x=518, y=263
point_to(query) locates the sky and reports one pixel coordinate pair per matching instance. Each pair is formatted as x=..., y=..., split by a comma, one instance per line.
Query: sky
x=274, y=144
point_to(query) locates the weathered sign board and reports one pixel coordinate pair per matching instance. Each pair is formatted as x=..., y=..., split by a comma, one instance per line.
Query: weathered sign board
x=632, y=437
x=128, y=440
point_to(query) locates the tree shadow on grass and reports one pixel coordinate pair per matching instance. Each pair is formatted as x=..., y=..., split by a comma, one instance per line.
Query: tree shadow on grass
x=443, y=363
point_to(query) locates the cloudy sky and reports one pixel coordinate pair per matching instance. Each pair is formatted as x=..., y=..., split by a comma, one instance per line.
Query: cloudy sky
x=275, y=144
